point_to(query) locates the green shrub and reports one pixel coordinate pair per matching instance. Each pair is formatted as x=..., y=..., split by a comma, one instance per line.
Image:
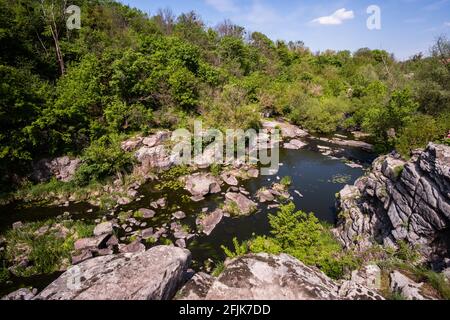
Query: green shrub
x=239, y=249
x=104, y=157
x=286, y=181
x=304, y=237
x=218, y=269
x=419, y=132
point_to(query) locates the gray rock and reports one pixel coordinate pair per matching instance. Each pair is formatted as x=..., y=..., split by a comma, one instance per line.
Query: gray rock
x=209, y=222
x=21, y=294
x=243, y=205
x=179, y=215
x=287, y=130
x=399, y=200
x=196, y=288
x=294, y=144
x=264, y=195
x=229, y=179
x=157, y=139
x=147, y=233
x=84, y=255
x=112, y=241
x=151, y=275
x=131, y=144
x=123, y=201
x=147, y=213
x=349, y=143
x=103, y=228
x=133, y=247
x=368, y=276
x=62, y=168
x=180, y=243
x=253, y=173
x=201, y=184
x=409, y=289
x=154, y=157
x=17, y=225
x=268, y=277
x=90, y=243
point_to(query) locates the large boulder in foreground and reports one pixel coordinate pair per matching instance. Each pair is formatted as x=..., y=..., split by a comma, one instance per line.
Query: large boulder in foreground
x=151, y=275
x=269, y=277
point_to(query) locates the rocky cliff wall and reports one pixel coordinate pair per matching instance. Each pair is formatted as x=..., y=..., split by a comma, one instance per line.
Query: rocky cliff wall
x=400, y=200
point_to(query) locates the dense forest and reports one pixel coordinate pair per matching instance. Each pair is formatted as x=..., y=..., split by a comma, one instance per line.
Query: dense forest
x=80, y=92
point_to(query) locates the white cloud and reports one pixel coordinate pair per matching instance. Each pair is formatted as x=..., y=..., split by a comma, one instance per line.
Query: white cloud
x=222, y=5
x=447, y=24
x=336, y=18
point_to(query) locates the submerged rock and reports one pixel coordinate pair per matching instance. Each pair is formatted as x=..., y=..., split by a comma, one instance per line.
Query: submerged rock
x=151, y=275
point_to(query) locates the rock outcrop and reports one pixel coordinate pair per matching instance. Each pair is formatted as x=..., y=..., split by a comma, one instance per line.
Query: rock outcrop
x=62, y=168
x=400, y=200
x=269, y=277
x=407, y=288
x=238, y=204
x=151, y=275
x=287, y=130
x=200, y=184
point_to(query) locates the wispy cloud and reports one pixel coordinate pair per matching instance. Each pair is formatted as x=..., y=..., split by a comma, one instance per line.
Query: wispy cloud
x=447, y=24
x=336, y=18
x=222, y=5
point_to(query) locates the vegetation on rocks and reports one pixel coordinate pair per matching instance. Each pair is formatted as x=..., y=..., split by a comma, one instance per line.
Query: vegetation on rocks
x=302, y=236
x=42, y=247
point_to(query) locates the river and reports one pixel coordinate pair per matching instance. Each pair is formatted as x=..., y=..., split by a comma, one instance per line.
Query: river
x=316, y=178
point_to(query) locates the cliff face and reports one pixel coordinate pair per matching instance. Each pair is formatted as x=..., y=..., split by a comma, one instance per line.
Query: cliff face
x=400, y=200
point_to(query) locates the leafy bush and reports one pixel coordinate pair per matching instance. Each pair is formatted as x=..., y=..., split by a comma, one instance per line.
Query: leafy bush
x=45, y=245
x=302, y=236
x=286, y=181
x=239, y=249
x=420, y=131
x=104, y=157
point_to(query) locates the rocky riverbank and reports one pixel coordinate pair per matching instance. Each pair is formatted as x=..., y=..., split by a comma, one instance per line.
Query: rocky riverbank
x=401, y=201
x=125, y=234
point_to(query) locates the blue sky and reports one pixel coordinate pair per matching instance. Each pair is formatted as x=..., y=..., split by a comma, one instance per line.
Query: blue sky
x=407, y=26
